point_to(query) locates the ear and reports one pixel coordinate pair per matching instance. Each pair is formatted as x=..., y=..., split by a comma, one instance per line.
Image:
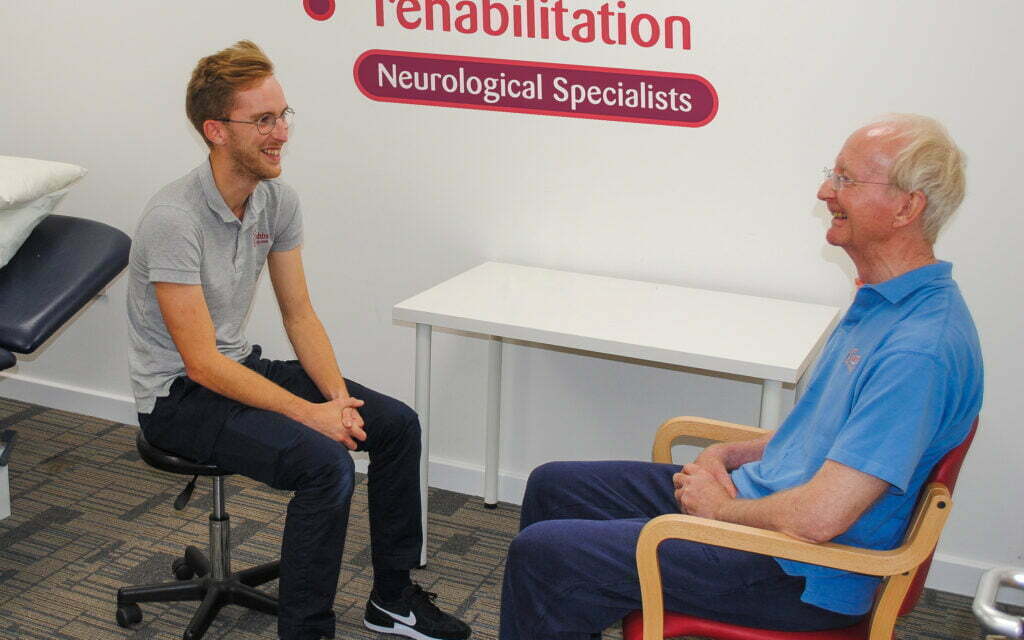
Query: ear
x=912, y=209
x=215, y=132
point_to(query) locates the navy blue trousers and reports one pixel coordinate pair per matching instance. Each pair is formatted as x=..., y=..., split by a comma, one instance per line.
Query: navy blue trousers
x=271, y=448
x=571, y=571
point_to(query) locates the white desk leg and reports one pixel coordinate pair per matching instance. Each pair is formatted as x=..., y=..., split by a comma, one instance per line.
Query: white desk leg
x=801, y=386
x=771, y=404
x=493, y=423
x=423, y=409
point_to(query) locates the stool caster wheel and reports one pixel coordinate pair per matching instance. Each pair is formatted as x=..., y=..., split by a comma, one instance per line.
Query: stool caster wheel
x=196, y=561
x=128, y=614
x=182, y=570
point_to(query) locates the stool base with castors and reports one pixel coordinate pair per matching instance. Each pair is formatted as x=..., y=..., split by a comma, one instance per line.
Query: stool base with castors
x=208, y=581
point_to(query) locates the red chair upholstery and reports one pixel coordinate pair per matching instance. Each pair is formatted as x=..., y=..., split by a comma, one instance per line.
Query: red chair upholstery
x=876, y=626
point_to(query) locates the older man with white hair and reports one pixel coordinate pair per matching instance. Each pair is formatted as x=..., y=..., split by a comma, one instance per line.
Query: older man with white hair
x=897, y=386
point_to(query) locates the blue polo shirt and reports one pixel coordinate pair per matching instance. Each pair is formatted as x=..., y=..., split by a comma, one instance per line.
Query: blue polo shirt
x=897, y=386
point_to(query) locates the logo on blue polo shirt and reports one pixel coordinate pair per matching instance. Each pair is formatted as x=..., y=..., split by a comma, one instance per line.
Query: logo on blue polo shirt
x=852, y=359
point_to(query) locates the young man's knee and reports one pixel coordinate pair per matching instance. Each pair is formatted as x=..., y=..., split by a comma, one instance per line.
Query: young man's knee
x=340, y=474
x=331, y=475
x=403, y=422
x=408, y=417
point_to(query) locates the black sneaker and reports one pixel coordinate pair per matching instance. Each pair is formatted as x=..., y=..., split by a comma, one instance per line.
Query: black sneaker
x=413, y=615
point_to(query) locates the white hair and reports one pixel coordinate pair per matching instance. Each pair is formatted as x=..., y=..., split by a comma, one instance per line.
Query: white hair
x=930, y=162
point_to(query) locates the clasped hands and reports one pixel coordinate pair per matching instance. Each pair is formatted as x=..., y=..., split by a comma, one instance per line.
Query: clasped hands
x=339, y=420
x=703, y=486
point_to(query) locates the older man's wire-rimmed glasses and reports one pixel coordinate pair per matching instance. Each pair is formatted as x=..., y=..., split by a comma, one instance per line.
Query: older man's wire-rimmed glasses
x=266, y=123
x=839, y=181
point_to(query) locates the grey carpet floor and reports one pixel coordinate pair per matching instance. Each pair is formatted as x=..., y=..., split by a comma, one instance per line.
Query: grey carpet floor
x=88, y=516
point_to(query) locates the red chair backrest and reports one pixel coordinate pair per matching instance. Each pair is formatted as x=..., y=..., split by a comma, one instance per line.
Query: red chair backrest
x=946, y=472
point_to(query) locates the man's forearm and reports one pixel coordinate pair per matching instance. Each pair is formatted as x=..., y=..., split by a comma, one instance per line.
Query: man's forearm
x=816, y=511
x=223, y=375
x=777, y=512
x=315, y=353
x=737, y=454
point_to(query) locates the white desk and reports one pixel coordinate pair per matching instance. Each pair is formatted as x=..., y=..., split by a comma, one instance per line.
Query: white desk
x=773, y=340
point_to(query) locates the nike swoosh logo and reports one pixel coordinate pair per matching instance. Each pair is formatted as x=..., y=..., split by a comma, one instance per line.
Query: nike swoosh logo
x=409, y=619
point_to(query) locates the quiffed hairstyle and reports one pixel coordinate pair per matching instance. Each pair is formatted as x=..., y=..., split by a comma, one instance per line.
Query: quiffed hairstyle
x=931, y=162
x=216, y=78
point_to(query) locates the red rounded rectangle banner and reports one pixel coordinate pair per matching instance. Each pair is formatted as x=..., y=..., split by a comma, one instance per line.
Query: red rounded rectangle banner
x=653, y=97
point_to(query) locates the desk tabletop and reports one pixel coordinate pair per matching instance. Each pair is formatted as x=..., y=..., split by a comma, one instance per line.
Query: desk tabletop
x=730, y=333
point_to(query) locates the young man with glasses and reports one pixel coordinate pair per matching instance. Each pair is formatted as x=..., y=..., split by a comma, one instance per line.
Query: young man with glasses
x=204, y=392
x=897, y=386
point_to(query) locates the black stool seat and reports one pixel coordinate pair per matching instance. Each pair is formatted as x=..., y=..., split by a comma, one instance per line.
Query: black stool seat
x=200, y=578
x=171, y=463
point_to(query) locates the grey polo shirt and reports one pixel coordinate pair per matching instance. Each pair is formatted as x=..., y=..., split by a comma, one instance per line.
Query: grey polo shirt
x=187, y=235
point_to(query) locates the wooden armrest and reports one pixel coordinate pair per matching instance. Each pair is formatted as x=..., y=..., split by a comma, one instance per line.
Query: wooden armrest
x=698, y=429
x=921, y=538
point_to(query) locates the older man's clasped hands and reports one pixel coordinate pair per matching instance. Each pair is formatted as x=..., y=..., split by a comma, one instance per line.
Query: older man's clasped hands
x=704, y=484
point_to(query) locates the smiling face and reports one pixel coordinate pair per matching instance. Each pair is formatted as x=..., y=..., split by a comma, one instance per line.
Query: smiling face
x=253, y=154
x=864, y=215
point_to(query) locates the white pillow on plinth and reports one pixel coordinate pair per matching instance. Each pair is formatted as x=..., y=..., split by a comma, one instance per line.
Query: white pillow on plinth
x=16, y=224
x=24, y=180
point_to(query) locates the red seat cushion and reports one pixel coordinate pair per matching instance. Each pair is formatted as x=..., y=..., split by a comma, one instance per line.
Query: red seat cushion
x=677, y=624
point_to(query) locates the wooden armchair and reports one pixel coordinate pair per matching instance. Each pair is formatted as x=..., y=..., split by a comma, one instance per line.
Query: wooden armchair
x=903, y=569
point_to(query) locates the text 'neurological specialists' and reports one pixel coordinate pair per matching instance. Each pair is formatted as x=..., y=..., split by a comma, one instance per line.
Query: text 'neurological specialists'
x=535, y=87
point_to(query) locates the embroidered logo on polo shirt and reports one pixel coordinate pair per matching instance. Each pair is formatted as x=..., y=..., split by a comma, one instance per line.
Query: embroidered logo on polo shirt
x=852, y=358
x=258, y=238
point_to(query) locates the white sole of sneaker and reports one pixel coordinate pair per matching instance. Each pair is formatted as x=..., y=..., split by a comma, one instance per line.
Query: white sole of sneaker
x=398, y=629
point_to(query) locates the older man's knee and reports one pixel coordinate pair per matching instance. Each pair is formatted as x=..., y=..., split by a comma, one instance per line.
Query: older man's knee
x=541, y=544
x=548, y=480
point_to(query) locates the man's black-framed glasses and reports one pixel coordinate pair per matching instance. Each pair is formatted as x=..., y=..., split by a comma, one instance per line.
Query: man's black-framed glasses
x=266, y=124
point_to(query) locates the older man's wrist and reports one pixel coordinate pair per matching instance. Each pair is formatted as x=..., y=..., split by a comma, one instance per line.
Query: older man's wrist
x=723, y=508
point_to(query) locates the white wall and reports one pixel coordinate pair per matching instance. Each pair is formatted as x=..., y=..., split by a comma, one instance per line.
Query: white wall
x=400, y=197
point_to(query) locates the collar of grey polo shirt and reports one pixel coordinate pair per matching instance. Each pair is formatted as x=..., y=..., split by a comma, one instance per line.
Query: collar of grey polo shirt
x=214, y=199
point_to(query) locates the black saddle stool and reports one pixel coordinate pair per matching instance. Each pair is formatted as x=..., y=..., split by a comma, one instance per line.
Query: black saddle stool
x=208, y=581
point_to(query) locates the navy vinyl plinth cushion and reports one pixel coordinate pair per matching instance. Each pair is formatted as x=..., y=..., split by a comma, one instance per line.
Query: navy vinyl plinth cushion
x=63, y=264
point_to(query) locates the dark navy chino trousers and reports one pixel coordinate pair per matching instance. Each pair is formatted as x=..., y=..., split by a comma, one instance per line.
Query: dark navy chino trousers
x=271, y=448
x=571, y=571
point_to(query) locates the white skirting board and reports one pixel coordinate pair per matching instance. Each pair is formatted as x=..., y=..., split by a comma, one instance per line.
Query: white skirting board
x=948, y=573
x=57, y=395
